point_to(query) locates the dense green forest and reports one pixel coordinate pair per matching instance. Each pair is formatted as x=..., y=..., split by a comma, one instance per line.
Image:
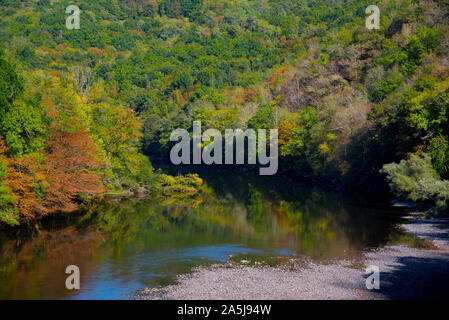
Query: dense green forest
x=357, y=108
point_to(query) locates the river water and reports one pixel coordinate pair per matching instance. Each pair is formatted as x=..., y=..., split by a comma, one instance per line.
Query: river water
x=124, y=246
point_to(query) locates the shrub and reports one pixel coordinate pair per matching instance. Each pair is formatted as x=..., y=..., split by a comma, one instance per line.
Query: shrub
x=8, y=213
x=171, y=186
x=415, y=179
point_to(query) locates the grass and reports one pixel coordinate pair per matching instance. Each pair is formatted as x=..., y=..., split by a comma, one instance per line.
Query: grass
x=411, y=241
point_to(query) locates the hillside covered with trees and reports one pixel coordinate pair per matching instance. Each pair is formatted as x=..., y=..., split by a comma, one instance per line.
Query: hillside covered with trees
x=82, y=110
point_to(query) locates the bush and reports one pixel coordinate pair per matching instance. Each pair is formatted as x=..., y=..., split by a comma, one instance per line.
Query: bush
x=187, y=184
x=415, y=179
x=8, y=213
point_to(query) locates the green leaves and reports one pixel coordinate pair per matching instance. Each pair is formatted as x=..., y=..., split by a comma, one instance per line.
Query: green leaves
x=308, y=145
x=263, y=119
x=415, y=179
x=439, y=152
x=11, y=85
x=22, y=121
x=8, y=213
x=387, y=86
x=25, y=128
x=117, y=133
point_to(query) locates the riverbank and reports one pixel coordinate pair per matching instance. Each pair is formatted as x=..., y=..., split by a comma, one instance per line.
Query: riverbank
x=405, y=273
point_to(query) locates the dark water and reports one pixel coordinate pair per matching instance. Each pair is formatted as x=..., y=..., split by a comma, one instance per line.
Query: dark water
x=121, y=247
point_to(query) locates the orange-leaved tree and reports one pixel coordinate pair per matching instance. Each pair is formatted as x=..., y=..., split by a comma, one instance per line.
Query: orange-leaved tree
x=25, y=177
x=71, y=166
x=72, y=161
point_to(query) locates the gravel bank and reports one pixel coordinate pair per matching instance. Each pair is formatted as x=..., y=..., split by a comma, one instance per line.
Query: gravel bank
x=405, y=273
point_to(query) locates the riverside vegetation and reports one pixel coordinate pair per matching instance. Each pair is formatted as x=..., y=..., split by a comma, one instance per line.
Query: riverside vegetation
x=82, y=110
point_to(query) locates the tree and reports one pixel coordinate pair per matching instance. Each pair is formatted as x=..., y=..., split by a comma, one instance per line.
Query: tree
x=71, y=167
x=24, y=177
x=25, y=128
x=11, y=85
x=415, y=179
x=117, y=132
x=8, y=212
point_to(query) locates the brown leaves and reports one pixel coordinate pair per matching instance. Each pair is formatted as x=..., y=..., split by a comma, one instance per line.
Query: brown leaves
x=51, y=183
x=23, y=176
x=70, y=165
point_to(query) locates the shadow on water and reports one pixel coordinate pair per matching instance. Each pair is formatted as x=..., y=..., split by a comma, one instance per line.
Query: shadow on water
x=124, y=246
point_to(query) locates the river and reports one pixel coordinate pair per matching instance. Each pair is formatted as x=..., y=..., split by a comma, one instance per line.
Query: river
x=124, y=246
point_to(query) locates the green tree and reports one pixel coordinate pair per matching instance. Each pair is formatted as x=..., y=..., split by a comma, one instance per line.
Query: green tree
x=25, y=128
x=11, y=84
x=415, y=179
x=8, y=213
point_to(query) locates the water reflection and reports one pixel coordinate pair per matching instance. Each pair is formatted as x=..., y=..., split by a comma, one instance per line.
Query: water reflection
x=123, y=246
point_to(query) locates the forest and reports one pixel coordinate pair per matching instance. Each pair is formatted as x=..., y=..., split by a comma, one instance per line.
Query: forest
x=83, y=111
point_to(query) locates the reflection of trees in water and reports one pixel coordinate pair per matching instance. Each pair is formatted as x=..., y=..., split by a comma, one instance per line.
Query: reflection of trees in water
x=317, y=222
x=40, y=261
x=235, y=209
x=312, y=221
x=257, y=211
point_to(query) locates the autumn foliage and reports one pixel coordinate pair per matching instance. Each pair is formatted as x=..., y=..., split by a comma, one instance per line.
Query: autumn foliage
x=61, y=146
x=71, y=163
x=54, y=182
x=23, y=175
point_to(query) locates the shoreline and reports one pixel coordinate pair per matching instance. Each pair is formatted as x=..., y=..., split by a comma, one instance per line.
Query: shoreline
x=405, y=273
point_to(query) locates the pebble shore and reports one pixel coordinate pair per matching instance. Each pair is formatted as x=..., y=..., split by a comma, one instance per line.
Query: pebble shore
x=405, y=273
